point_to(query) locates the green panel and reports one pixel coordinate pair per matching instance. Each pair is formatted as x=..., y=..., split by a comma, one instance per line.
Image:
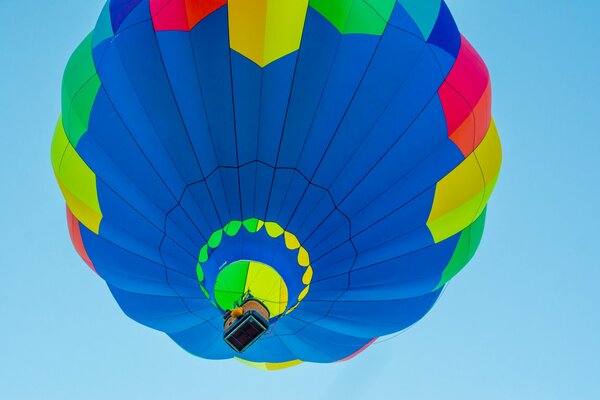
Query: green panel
x=465, y=249
x=424, y=12
x=230, y=284
x=251, y=225
x=476, y=234
x=79, y=90
x=356, y=16
x=205, y=292
x=215, y=239
x=203, y=256
x=232, y=228
x=335, y=11
x=200, y=273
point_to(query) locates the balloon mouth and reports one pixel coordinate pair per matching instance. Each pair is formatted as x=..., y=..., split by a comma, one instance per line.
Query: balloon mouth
x=270, y=264
x=259, y=280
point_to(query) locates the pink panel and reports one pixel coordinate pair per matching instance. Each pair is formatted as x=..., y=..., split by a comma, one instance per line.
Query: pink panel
x=75, y=233
x=181, y=15
x=350, y=357
x=466, y=99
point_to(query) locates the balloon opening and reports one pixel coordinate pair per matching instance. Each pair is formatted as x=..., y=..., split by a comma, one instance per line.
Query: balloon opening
x=269, y=262
x=239, y=278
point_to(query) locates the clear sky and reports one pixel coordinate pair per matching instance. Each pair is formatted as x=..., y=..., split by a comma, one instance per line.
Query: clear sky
x=521, y=322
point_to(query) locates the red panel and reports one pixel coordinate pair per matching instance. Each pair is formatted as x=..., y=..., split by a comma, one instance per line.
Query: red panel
x=75, y=233
x=350, y=357
x=466, y=97
x=198, y=10
x=181, y=15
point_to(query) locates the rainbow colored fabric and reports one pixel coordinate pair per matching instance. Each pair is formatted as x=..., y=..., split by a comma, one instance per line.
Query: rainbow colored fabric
x=333, y=157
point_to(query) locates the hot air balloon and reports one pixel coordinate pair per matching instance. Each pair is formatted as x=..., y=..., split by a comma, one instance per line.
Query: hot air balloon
x=311, y=173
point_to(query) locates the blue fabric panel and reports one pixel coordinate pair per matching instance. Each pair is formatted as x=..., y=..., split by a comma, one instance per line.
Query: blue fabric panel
x=248, y=183
x=120, y=9
x=256, y=179
x=372, y=202
x=180, y=64
x=315, y=206
x=200, y=205
x=403, y=221
x=445, y=34
x=316, y=344
x=178, y=259
x=210, y=42
x=276, y=90
x=139, y=52
x=167, y=314
x=328, y=289
x=401, y=20
x=396, y=57
x=395, y=142
x=205, y=340
x=412, y=153
x=322, y=100
x=109, y=149
x=224, y=187
x=286, y=194
x=230, y=181
x=269, y=348
x=123, y=269
x=182, y=229
x=372, y=319
x=445, y=61
x=247, y=86
x=185, y=285
x=131, y=112
x=395, y=243
x=315, y=60
x=410, y=275
x=338, y=260
x=331, y=233
x=126, y=227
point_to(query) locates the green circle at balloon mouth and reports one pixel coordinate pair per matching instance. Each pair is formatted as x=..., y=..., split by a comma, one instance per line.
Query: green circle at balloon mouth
x=262, y=281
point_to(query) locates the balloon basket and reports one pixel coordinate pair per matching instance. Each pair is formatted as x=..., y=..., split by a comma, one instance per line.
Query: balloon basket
x=246, y=324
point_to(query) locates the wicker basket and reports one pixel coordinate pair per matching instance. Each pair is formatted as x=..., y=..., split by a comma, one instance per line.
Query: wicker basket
x=247, y=306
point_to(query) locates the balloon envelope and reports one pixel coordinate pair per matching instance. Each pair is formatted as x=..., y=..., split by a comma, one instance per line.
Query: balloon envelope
x=333, y=158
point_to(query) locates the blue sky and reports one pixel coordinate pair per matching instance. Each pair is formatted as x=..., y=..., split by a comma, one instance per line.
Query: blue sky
x=521, y=322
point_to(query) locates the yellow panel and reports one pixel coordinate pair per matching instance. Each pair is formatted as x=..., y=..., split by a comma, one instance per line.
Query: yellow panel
x=461, y=196
x=266, y=30
x=282, y=295
x=303, y=258
x=303, y=294
x=260, y=225
x=59, y=145
x=76, y=180
x=307, y=277
x=292, y=309
x=489, y=154
x=270, y=366
x=266, y=285
x=273, y=229
x=291, y=241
